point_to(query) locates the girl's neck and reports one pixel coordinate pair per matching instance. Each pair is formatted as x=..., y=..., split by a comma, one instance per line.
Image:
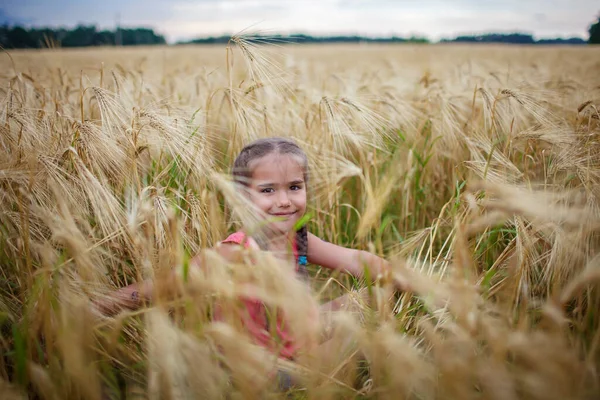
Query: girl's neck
x=280, y=244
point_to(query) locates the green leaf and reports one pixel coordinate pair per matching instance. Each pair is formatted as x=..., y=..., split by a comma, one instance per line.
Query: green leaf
x=186, y=267
x=303, y=221
x=20, y=355
x=487, y=279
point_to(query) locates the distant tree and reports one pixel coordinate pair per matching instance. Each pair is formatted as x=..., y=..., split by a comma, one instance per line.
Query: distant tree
x=595, y=33
x=19, y=38
x=513, y=38
x=104, y=38
x=132, y=37
x=569, y=41
x=80, y=37
x=418, y=39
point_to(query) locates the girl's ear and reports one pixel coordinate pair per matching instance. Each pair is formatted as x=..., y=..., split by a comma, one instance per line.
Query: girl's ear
x=246, y=189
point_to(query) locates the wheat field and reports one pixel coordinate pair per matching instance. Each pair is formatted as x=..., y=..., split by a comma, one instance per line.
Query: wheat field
x=474, y=169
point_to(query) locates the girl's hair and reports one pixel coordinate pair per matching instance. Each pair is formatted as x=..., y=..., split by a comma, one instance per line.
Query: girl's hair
x=242, y=173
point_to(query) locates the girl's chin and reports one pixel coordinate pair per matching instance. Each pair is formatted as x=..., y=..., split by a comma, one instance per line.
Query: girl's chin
x=284, y=227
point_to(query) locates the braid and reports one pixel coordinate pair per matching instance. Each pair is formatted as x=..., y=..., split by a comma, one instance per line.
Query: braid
x=302, y=247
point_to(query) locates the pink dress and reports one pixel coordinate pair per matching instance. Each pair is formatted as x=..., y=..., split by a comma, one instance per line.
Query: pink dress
x=256, y=321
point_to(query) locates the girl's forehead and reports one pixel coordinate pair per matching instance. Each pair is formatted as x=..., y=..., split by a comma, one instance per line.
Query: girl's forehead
x=274, y=165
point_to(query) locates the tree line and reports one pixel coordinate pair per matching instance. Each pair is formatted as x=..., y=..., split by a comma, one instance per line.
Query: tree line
x=17, y=37
x=512, y=38
x=303, y=38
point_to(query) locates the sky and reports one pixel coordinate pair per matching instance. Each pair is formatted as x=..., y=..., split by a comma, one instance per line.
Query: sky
x=436, y=19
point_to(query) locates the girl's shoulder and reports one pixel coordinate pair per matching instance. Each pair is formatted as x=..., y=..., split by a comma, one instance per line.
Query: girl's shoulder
x=236, y=237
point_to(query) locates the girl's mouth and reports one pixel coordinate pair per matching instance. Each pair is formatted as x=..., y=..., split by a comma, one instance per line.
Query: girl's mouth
x=286, y=214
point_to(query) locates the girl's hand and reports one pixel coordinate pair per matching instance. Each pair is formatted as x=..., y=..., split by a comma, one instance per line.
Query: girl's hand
x=130, y=297
x=353, y=262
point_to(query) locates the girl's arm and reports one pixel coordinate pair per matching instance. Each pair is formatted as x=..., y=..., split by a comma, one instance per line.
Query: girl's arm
x=134, y=296
x=129, y=297
x=339, y=258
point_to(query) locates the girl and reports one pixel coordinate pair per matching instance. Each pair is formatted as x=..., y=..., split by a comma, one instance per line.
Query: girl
x=274, y=174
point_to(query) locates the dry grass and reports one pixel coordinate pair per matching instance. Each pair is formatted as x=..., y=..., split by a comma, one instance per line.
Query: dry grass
x=475, y=169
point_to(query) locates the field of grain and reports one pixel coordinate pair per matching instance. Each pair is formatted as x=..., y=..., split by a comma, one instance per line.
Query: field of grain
x=474, y=169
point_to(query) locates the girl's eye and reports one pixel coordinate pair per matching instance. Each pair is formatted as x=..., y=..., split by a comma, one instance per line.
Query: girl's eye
x=267, y=190
x=295, y=187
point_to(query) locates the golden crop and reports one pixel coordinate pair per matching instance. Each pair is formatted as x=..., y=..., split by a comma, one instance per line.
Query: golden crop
x=475, y=169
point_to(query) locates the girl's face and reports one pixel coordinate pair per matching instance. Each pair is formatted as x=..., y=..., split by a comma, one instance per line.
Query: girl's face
x=278, y=189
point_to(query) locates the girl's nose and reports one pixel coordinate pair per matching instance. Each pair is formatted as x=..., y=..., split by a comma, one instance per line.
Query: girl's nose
x=284, y=200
